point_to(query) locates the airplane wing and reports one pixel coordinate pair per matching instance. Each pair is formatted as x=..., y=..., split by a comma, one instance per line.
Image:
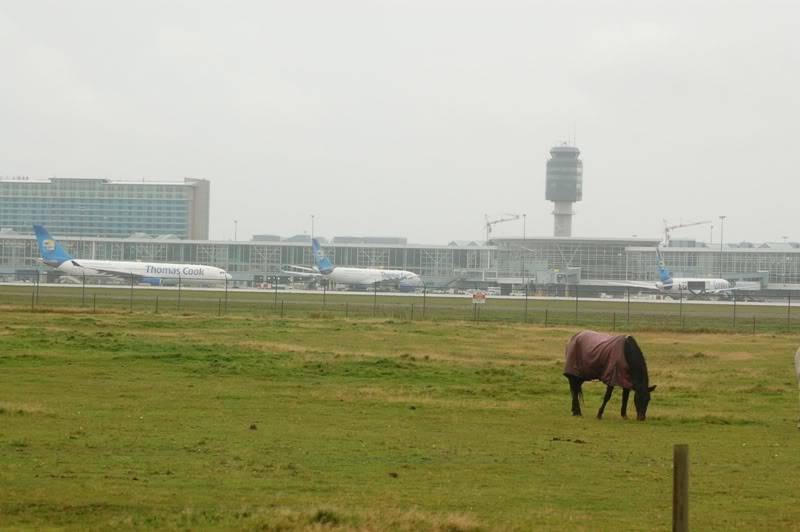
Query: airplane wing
x=720, y=290
x=300, y=271
x=642, y=285
x=104, y=271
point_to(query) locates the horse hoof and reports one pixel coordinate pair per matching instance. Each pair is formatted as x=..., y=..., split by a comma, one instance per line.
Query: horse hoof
x=577, y=414
x=624, y=417
x=599, y=416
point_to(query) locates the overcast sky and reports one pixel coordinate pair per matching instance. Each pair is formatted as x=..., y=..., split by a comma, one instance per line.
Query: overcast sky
x=417, y=118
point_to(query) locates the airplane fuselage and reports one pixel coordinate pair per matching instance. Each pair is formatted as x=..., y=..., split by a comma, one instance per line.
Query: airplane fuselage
x=370, y=276
x=142, y=270
x=694, y=285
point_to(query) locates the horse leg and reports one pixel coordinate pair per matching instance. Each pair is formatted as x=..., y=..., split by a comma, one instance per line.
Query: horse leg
x=606, y=398
x=575, y=390
x=624, y=412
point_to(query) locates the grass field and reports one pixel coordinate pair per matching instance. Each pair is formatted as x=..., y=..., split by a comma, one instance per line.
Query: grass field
x=250, y=421
x=614, y=314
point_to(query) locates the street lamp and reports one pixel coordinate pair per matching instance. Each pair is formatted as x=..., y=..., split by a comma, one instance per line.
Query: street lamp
x=721, y=229
x=524, y=218
x=524, y=245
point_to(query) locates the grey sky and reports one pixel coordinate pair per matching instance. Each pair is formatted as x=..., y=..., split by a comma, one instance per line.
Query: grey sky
x=416, y=118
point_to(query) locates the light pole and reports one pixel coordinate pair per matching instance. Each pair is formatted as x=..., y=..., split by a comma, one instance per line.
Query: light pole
x=524, y=222
x=721, y=229
x=786, y=258
x=312, y=227
x=524, y=245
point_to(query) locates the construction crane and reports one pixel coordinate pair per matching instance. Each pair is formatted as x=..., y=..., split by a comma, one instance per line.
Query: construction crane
x=505, y=218
x=668, y=228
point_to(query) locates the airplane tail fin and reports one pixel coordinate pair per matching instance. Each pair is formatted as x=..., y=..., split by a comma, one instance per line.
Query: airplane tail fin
x=324, y=264
x=51, y=251
x=664, y=275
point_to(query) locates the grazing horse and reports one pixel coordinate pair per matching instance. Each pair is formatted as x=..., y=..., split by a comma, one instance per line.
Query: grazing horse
x=615, y=360
x=797, y=371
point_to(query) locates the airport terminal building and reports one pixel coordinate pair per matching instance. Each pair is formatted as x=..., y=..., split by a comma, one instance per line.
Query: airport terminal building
x=105, y=207
x=510, y=263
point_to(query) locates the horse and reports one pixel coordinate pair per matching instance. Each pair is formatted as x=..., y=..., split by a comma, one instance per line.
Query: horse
x=614, y=360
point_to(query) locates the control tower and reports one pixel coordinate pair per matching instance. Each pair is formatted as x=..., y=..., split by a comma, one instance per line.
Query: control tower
x=564, y=186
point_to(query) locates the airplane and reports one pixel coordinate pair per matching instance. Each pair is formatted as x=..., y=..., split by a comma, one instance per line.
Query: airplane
x=358, y=277
x=53, y=255
x=673, y=286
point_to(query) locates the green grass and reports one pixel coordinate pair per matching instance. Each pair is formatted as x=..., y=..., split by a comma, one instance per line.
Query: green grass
x=246, y=421
x=609, y=314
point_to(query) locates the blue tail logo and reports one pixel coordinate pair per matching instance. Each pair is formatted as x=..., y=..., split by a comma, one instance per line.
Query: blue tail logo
x=663, y=273
x=51, y=251
x=324, y=264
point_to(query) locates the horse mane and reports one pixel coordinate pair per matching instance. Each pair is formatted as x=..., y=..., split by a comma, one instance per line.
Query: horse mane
x=636, y=363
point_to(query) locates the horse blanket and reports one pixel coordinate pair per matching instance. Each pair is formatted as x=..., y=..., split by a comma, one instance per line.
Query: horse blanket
x=592, y=355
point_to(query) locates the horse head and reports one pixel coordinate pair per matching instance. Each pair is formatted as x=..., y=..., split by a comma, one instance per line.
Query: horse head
x=639, y=377
x=641, y=398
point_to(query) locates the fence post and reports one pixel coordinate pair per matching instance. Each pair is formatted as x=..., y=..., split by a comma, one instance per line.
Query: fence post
x=754, y=325
x=614, y=322
x=281, y=308
x=576, y=304
x=156, y=304
x=83, y=290
x=374, y=299
x=179, y=292
x=38, y=283
x=275, y=297
x=789, y=311
x=545, y=318
x=680, y=310
x=424, y=300
x=94, y=303
x=680, y=488
x=412, y=311
x=324, y=292
x=526, y=303
x=33, y=298
x=131, y=303
x=226, y=295
x=219, y=307
x=628, y=319
x=734, y=310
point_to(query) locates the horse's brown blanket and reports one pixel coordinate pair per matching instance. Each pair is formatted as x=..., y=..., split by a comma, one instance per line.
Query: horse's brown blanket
x=591, y=355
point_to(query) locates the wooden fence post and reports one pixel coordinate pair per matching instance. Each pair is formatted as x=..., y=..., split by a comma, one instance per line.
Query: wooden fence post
x=628, y=318
x=680, y=488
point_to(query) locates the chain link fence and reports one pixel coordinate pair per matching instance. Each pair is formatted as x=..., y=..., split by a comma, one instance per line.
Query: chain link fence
x=604, y=308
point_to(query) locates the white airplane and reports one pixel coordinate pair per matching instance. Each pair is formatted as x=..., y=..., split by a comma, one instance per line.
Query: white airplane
x=362, y=277
x=696, y=286
x=148, y=272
